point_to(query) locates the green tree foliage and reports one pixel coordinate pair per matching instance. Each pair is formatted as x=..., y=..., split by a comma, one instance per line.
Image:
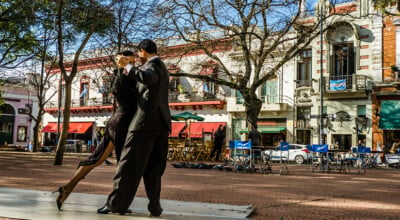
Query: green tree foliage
x=76, y=22
x=82, y=14
x=383, y=5
x=17, y=39
x=1, y=98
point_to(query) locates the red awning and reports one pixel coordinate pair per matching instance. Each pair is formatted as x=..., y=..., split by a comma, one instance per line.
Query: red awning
x=197, y=128
x=74, y=127
x=176, y=128
x=51, y=127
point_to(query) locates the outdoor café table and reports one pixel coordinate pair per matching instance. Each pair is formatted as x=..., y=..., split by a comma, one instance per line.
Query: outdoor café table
x=284, y=158
x=374, y=159
x=242, y=155
x=179, y=152
x=337, y=160
x=320, y=159
x=360, y=158
x=266, y=165
x=172, y=154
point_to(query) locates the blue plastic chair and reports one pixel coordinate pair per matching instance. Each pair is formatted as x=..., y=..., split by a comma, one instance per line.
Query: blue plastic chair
x=242, y=151
x=320, y=148
x=321, y=161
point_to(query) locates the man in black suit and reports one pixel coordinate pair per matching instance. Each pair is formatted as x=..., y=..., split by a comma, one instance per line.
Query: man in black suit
x=145, y=151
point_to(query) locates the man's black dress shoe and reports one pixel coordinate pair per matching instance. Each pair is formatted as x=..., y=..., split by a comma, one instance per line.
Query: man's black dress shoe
x=155, y=209
x=104, y=210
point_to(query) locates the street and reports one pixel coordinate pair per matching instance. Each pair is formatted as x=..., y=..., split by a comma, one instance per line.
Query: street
x=301, y=194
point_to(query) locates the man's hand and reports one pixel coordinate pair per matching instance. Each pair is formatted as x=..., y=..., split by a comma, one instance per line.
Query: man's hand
x=122, y=61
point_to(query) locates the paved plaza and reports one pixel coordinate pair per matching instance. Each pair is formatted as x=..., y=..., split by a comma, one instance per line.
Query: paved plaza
x=202, y=193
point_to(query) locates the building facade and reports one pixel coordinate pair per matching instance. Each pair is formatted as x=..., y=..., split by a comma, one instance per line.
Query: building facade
x=16, y=125
x=386, y=91
x=347, y=62
x=344, y=69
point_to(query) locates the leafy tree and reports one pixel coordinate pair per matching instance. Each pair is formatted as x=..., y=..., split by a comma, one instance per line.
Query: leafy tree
x=76, y=21
x=39, y=83
x=17, y=39
x=382, y=5
x=263, y=36
x=1, y=99
x=130, y=26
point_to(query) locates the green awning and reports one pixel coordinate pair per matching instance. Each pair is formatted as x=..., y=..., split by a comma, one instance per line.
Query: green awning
x=270, y=130
x=389, y=115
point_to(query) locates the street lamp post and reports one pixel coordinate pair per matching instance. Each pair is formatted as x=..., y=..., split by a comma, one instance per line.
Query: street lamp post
x=321, y=83
x=59, y=109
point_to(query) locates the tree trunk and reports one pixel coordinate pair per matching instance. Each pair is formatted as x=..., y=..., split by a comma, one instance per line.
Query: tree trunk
x=36, y=133
x=65, y=124
x=253, y=107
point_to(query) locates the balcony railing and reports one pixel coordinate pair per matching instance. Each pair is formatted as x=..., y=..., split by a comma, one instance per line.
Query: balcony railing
x=173, y=97
x=270, y=99
x=302, y=124
x=193, y=97
x=94, y=102
x=303, y=83
x=346, y=83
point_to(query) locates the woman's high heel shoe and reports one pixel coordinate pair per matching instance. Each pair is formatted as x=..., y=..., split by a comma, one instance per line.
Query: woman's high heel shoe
x=61, y=190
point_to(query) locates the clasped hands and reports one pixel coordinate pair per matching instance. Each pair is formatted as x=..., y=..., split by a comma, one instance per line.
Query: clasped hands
x=122, y=61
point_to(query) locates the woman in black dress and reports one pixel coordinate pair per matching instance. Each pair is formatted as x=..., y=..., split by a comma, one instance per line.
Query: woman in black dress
x=115, y=134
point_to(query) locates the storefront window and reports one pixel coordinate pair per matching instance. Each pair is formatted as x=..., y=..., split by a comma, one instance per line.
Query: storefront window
x=21, y=133
x=342, y=142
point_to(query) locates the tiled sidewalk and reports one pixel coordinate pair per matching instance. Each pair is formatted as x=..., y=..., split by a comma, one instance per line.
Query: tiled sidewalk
x=34, y=204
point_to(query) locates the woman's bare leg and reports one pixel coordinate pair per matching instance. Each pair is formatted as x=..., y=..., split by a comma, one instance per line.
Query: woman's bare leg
x=80, y=173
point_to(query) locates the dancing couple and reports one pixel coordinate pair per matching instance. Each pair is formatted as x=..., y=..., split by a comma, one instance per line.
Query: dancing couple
x=138, y=131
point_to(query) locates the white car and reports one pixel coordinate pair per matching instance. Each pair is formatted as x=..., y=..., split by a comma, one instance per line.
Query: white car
x=393, y=160
x=74, y=146
x=297, y=153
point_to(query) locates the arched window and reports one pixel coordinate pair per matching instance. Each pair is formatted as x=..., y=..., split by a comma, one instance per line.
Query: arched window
x=6, y=109
x=7, y=114
x=343, y=39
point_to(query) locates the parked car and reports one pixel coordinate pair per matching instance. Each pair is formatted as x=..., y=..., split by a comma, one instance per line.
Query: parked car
x=393, y=160
x=297, y=153
x=73, y=145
